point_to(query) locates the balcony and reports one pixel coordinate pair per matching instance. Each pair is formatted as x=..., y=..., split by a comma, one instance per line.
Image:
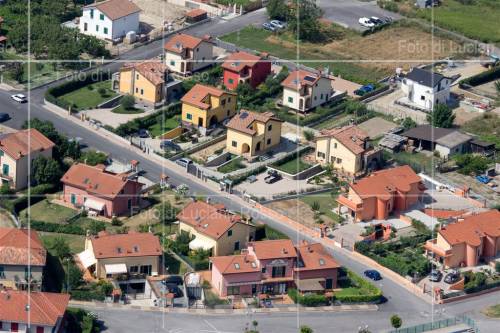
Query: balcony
x=431, y=246
x=342, y=200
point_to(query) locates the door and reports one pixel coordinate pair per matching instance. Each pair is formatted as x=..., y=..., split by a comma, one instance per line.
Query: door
x=5, y=169
x=254, y=289
x=282, y=288
x=14, y=327
x=200, y=122
x=73, y=198
x=237, y=246
x=329, y=284
x=39, y=329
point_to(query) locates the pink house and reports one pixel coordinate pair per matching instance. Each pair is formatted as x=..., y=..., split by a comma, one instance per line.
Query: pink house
x=271, y=267
x=95, y=189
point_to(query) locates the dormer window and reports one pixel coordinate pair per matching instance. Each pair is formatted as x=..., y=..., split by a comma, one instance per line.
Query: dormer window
x=136, y=248
x=322, y=262
x=119, y=250
x=236, y=266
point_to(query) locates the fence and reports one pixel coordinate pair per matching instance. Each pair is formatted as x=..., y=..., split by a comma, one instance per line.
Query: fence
x=443, y=323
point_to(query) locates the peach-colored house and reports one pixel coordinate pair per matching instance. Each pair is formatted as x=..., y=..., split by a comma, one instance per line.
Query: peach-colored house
x=271, y=267
x=95, y=189
x=382, y=193
x=468, y=241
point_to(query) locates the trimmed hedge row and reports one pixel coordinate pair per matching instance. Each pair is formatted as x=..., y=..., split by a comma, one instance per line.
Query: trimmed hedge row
x=374, y=293
x=307, y=300
x=56, y=227
x=18, y=204
x=87, y=295
x=484, y=77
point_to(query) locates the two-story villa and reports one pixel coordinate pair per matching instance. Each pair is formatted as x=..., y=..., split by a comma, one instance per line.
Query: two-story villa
x=215, y=228
x=251, y=133
x=243, y=67
x=205, y=107
x=22, y=259
x=426, y=89
x=146, y=81
x=274, y=266
x=303, y=90
x=186, y=54
x=382, y=193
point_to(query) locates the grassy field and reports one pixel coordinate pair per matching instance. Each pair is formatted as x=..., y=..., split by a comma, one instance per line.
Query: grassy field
x=75, y=242
x=48, y=212
x=167, y=125
x=293, y=166
x=487, y=127
x=418, y=161
x=88, y=96
x=235, y=164
x=326, y=203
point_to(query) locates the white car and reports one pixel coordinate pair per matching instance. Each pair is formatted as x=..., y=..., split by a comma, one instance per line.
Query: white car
x=366, y=22
x=277, y=24
x=20, y=98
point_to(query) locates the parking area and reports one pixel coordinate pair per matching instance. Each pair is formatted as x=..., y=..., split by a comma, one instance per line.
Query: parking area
x=347, y=12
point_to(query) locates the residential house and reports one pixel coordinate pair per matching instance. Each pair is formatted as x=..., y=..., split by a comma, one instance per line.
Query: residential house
x=186, y=54
x=215, y=228
x=100, y=191
x=467, y=242
x=303, y=90
x=128, y=258
x=146, y=81
x=22, y=259
x=252, y=133
x=445, y=141
x=40, y=312
x=110, y=19
x=242, y=67
x=274, y=266
x=17, y=152
x=347, y=149
x=382, y=193
x=426, y=89
x=205, y=107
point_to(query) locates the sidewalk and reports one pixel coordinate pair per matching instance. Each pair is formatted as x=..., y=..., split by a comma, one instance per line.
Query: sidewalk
x=289, y=309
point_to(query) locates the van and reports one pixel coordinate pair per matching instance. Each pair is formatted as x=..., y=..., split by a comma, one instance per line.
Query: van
x=184, y=162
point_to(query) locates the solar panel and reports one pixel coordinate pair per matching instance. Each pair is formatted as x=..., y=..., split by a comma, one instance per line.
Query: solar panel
x=309, y=78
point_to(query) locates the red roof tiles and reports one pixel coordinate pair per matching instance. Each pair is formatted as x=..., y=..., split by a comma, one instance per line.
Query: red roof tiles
x=352, y=137
x=21, y=143
x=244, y=120
x=199, y=96
x=237, y=61
x=20, y=247
x=132, y=244
x=242, y=263
x=300, y=78
x=153, y=71
x=472, y=228
x=115, y=9
x=274, y=249
x=314, y=256
x=178, y=43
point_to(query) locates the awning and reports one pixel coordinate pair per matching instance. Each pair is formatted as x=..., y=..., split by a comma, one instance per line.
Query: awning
x=200, y=243
x=115, y=268
x=94, y=204
x=310, y=285
x=87, y=258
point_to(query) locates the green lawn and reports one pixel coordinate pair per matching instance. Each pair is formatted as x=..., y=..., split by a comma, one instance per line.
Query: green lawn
x=293, y=166
x=255, y=38
x=122, y=110
x=418, y=161
x=487, y=127
x=235, y=164
x=354, y=285
x=75, y=242
x=88, y=96
x=167, y=125
x=48, y=212
x=326, y=203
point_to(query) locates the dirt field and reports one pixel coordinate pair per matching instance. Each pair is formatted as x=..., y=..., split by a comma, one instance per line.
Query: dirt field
x=298, y=211
x=210, y=150
x=376, y=127
x=155, y=12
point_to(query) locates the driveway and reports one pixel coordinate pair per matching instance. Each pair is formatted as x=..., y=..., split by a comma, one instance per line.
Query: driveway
x=347, y=12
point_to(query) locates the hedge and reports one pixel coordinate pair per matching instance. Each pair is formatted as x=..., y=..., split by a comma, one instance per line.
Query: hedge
x=18, y=204
x=307, y=300
x=476, y=289
x=484, y=77
x=88, y=295
x=56, y=227
x=374, y=293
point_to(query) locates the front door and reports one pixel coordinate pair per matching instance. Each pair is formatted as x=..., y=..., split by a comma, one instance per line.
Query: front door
x=329, y=284
x=200, y=122
x=254, y=289
x=282, y=288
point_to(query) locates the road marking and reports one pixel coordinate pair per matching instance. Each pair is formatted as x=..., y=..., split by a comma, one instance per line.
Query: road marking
x=214, y=329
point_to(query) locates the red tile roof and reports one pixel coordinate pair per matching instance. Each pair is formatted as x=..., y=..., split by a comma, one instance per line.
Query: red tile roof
x=178, y=43
x=314, y=257
x=274, y=249
x=196, y=12
x=153, y=71
x=21, y=143
x=237, y=61
x=211, y=220
x=199, y=96
x=44, y=308
x=244, y=120
x=383, y=183
x=443, y=213
x=132, y=244
x=297, y=79
x=115, y=9
x=20, y=247
x=472, y=228
x=352, y=137
x=242, y=263
x=95, y=180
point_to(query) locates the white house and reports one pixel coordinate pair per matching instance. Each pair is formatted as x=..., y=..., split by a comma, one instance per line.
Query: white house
x=303, y=90
x=425, y=89
x=186, y=54
x=110, y=19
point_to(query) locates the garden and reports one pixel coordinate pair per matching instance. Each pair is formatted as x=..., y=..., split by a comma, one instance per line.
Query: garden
x=355, y=289
x=233, y=165
x=89, y=96
x=293, y=164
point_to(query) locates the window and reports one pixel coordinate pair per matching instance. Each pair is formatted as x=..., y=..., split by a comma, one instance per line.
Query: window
x=223, y=102
x=5, y=169
x=85, y=26
x=321, y=154
x=134, y=269
x=27, y=273
x=335, y=145
x=234, y=144
x=137, y=76
x=101, y=17
x=328, y=283
x=229, y=99
x=39, y=329
x=231, y=81
x=315, y=97
x=339, y=160
x=142, y=91
x=290, y=99
x=422, y=98
x=73, y=198
x=1, y=152
x=268, y=141
x=270, y=127
x=229, y=233
x=2, y=275
x=189, y=116
x=146, y=269
x=263, y=269
x=321, y=96
x=172, y=63
x=136, y=90
x=237, y=245
x=129, y=204
x=97, y=28
x=278, y=271
x=233, y=290
x=91, y=13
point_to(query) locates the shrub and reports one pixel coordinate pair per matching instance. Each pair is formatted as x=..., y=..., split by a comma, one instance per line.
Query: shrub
x=307, y=300
x=127, y=102
x=484, y=77
x=87, y=295
x=396, y=321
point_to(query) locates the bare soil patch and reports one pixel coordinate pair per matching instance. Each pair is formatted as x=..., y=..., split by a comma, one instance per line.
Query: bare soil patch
x=298, y=211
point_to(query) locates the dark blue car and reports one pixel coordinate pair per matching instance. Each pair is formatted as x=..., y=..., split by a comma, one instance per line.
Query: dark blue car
x=373, y=274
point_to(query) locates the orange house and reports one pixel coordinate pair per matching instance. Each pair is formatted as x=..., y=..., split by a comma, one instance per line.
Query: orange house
x=466, y=242
x=382, y=193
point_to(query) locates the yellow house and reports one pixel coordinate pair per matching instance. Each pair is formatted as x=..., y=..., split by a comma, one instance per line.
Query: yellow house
x=346, y=149
x=252, y=133
x=17, y=152
x=146, y=81
x=205, y=106
x=215, y=228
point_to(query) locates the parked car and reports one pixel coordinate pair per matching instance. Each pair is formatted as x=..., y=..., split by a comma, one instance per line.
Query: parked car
x=277, y=24
x=143, y=133
x=375, y=20
x=452, y=277
x=268, y=26
x=173, y=279
x=364, y=90
x=169, y=145
x=435, y=276
x=184, y=162
x=366, y=22
x=4, y=117
x=272, y=177
x=252, y=179
x=20, y=98
x=483, y=179
x=373, y=274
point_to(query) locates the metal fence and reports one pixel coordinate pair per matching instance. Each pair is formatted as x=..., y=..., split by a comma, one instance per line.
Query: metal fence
x=443, y=323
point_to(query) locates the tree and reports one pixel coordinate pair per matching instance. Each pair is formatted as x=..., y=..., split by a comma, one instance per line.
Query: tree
x=306, y=329
x=396, y=321
x=92, y=157
x=102, y=91
x=73, y=275
x=46, y=171
x=60, y=248
x=408, y=123
x=315, y=206
x=442, y=116
x=308, y=135
x=277, y=10
x=303, y=20
x=127, y=102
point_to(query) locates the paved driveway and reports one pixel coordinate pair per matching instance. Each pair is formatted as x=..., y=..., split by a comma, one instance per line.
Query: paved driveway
x=348, y=12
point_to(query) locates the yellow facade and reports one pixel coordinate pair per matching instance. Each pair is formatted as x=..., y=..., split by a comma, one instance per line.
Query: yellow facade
x=134, y=83
x=222, y=107
x=267, y=136
x=331, y=151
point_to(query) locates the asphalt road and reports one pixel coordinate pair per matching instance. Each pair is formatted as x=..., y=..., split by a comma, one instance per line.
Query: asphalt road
x=347, y=12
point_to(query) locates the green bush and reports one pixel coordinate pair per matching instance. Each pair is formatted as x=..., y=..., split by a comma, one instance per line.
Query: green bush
x=56, y=227
x=307, y=300
x=484, y=77
x=87, y=295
